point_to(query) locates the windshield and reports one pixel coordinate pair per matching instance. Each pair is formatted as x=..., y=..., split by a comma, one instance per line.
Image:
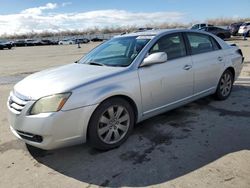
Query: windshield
x=116, y=52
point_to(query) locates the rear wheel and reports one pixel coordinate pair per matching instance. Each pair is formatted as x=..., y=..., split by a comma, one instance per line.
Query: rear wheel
x=225, y=86
x=111, y=124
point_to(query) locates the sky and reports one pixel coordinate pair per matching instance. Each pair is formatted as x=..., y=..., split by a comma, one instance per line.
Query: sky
x=22, y=16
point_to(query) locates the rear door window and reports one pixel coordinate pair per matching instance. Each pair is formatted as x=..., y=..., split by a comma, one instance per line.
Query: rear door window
x=199, y=43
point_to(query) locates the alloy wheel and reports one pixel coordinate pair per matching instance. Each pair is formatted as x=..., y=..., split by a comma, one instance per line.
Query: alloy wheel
x=113, y=124
x=225, y=84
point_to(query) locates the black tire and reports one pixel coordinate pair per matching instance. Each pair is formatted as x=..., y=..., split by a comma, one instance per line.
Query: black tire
x=223, y=93
x=95, y=139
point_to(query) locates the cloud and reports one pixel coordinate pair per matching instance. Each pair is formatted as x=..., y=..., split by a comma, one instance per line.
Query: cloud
x=39, y=19
x=38, y=10
x=64, y=4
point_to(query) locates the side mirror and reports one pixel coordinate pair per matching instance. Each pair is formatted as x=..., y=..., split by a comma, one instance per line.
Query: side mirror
x=158, y=57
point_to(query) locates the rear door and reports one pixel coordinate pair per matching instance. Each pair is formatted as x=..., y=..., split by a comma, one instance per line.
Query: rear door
x=208, y=61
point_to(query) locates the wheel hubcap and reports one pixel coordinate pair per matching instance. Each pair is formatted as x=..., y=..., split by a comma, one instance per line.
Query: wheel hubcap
x=225, y=85
x=113, y=124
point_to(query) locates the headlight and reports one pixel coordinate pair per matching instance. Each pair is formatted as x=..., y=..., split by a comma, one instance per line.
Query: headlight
x=51, y=103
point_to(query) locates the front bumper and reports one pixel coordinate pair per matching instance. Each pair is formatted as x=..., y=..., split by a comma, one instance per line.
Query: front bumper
x=50, y=130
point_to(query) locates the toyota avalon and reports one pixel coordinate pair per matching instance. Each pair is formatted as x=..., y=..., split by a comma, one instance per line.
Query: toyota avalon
x=123, y=81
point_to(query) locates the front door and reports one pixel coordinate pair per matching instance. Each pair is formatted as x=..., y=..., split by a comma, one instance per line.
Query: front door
x=166, y=83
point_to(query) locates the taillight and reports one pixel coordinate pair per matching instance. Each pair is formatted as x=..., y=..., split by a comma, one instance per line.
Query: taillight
x=240, y=52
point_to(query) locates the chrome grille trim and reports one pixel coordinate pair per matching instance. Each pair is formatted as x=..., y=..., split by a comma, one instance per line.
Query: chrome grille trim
x=17, y=100
x=16, y=104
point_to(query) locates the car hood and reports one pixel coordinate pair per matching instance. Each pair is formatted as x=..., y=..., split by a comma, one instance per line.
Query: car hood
x=4, y=43
x=61, y=79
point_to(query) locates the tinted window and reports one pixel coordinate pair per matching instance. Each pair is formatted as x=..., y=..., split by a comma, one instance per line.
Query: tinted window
x=195, y=26
x=173, y=45
x=199, y=43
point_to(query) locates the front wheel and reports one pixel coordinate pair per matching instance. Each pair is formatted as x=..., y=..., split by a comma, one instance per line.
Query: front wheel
x=225, y=86
x=111, y=124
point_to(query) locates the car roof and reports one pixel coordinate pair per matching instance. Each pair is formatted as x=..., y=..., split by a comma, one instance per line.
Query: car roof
x=158, y=32
x=151, y=32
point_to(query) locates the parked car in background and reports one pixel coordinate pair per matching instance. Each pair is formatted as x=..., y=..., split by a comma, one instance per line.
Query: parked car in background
x=82, y=40
x=5, y=44
x=66, y=41
x=245, y=28
x=143, y=29
x=219, y=32
x=48, y=42
x=200, y=26
x=234, y=28
x=32, y=42
x=96, y=39
x=121, y=82
x=19, y=43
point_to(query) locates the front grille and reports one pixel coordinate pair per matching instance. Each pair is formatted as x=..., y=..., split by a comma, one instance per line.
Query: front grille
x=30, y=137
x=16, y=104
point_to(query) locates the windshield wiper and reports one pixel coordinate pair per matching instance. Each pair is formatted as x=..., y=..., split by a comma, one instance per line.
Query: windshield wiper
x=95, y=63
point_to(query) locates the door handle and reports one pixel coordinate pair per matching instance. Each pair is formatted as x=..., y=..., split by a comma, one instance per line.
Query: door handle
x=187, y=67
x=220, y=58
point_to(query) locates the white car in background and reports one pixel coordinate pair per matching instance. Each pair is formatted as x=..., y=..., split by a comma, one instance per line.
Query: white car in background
x=66, y=41
x=244, y=28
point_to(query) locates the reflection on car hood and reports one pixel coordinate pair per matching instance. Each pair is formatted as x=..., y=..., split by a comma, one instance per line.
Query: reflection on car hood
x=5, y=43
x=61, y=79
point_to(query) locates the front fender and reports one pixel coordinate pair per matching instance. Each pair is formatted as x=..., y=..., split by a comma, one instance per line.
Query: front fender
x=125, y=85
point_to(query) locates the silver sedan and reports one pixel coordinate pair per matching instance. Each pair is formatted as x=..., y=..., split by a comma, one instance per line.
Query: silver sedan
x=123, y=81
